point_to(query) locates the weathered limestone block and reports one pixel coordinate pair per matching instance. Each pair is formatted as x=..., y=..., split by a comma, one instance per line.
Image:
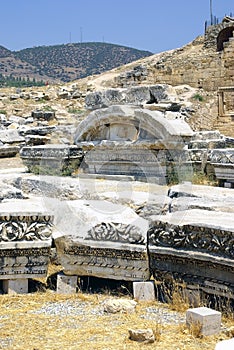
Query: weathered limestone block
x=11, y=136
x=36, y=130
x=114, y=306
x=144, y=291
x=52, y=159
x=97, y=238
x=188, y=196
x=66, y=284
x=43, y=115
x=19, y=286
x=195, y=246
x=208, y=319
x=136, y=95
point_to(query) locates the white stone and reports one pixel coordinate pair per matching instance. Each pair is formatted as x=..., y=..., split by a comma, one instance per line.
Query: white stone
x=17, y=286
x=142, y=335
x=66, y=284
x=144, y=291
x=114, y=306
x=225, y=345
x=209, y=320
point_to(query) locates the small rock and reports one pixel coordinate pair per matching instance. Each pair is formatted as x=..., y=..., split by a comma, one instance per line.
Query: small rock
x=142, y=335
x=119, y=305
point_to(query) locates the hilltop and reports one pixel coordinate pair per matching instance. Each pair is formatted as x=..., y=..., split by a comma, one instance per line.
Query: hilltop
x=63, y=63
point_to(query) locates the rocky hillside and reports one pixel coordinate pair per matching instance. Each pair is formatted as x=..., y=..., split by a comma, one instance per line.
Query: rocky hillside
x=73, y=61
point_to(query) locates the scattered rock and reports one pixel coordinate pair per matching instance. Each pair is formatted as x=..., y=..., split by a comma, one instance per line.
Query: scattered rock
x=142, y=335
x=113, y=306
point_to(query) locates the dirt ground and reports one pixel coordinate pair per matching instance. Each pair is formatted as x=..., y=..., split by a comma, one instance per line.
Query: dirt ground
x=9, y=163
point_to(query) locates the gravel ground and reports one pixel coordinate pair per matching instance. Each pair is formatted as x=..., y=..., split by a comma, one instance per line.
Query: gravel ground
x=159, y=314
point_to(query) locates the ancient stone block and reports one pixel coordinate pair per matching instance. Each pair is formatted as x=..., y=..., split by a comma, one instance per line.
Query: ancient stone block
x=66, y=284
x=103, y=240
x=15, y=286
x=185, y=245
x=144, y=291
x=25, y=241
x=8, y=151
x=54, y=159
x=208, y=319
x=130, y=141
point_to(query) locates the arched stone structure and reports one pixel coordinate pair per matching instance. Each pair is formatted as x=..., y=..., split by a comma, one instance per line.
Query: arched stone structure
x=216, y=35
x=224, y=36
x=130, y=123
x=128, y=140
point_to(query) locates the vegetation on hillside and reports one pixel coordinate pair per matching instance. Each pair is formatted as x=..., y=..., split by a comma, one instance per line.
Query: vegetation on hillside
x=11, y=81
x=73, y=61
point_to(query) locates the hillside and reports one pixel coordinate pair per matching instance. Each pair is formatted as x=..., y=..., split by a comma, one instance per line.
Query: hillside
x=73, y=61
x=12, y=68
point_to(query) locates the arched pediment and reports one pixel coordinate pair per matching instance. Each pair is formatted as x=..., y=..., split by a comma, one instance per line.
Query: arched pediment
x=129, y=123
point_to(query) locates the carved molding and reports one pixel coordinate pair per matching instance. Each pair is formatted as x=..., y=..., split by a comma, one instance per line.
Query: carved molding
x=116, y=232
x=163, y=265
x=211, y=241
x=222, y=156
x=49, y=152
x=105, y=253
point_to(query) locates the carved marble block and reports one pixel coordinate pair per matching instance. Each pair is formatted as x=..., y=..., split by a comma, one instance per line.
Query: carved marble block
x=104, y=240
x=195, y=246
x=25, y=241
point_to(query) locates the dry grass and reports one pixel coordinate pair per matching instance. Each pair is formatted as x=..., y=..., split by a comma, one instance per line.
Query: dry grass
x=24, y=329
x=21, y=328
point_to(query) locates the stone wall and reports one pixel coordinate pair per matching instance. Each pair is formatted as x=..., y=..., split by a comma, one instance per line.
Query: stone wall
x=198, y=64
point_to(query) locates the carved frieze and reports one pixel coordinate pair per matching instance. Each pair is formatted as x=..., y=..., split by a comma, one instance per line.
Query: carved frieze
x=48, y=151
x=189, y=237
x=25, y=228
x=105, y=253
x=116, y=232
x=225, y=156
x=27, y=262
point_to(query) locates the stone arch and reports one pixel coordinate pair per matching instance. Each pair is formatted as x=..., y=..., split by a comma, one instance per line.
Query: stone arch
x=128, y=123
x=133, y=141
x=213, y=32
x=224, y=36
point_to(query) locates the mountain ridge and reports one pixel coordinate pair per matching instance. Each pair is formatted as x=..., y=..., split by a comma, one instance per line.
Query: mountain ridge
x=66, y=62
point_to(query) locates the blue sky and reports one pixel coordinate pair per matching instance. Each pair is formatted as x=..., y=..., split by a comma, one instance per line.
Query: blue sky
x=153, y=25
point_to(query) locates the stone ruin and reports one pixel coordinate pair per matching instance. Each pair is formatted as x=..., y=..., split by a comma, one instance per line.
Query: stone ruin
x=25, y=244
x=127, y=235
